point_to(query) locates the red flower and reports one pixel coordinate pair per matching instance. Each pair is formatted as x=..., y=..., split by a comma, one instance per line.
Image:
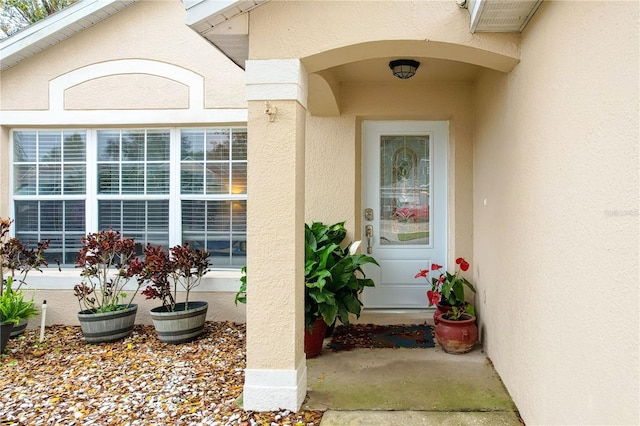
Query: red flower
x=433, y=297
x=447, y=287
x=464, y=265
x=422, y=273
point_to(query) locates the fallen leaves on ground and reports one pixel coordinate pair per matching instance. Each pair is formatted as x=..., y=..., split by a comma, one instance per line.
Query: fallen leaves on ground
x=136, y=381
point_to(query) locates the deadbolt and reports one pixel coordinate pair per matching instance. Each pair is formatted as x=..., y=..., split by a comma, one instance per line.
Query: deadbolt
x=368, y=214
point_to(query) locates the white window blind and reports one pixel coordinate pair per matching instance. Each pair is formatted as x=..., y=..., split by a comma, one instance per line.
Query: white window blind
x=60, y=194
x=213, y=187
x=49, y=189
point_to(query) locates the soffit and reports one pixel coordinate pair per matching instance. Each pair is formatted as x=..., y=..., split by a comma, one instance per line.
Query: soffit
x=224, y=24
x=500, y=15
x=56, y=28
x=430, y=70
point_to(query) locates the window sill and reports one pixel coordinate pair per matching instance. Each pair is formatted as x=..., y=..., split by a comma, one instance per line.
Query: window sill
x=52, y=279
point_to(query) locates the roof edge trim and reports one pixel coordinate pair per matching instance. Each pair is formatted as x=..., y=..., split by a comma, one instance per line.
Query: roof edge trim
x=51, y=25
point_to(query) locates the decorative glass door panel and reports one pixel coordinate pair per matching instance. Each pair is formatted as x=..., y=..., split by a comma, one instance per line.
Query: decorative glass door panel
x=404, y=190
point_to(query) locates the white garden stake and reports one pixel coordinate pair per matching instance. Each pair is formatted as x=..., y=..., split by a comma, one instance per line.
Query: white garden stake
x=44, y=315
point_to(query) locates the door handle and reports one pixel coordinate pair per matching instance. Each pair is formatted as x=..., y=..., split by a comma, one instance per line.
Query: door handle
x=368, y=232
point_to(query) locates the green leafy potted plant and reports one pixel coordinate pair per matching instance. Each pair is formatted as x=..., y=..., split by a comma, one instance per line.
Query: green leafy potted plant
x=13, y=309
x=17, y=260
x=334, y=280
x=175, y=322
x=108, y=263
x=454, y=318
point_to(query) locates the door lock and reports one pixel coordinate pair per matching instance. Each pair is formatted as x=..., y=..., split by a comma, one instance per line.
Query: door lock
x=368, y=214
x=368, y=231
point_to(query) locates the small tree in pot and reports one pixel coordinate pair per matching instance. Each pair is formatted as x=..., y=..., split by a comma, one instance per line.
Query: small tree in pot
x=108, y=262
x=166, y=271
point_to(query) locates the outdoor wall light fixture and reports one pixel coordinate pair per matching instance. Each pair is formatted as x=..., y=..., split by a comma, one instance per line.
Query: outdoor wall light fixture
x=404, y=68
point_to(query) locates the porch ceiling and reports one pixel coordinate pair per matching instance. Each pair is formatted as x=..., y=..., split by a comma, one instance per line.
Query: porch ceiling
x=430, y=70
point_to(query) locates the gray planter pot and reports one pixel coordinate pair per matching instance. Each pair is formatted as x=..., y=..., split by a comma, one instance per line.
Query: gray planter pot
x=107, y=326
x=182, y=325
x=5, y=332
x=19, y=328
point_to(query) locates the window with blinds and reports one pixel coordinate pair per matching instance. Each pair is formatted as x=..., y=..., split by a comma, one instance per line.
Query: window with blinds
x=49, y=189
x=133, y=183
x=213, y=188
x=159, y=186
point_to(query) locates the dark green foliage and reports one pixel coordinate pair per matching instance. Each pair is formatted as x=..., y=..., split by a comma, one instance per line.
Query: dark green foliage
x=13, y=308
x=334, y=278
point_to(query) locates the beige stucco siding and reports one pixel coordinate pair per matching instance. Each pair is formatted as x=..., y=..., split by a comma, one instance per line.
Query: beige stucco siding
x=556, y=246
x=152, y=30
x=62, y=306
x=129, y=91
x=283, y=29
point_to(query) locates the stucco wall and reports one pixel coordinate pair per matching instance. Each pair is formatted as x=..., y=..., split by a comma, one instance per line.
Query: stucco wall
x=154, y=30
x=556, y=245
x=62, y=306
x=333, y=152
x=283, y=29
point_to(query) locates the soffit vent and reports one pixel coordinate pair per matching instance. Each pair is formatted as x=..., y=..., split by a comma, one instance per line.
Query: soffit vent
x=501, y=16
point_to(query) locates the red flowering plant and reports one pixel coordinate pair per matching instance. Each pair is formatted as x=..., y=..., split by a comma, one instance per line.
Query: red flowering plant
x=448, y=289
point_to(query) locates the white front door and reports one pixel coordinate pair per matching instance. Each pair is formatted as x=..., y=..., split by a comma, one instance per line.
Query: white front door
x=404, y=187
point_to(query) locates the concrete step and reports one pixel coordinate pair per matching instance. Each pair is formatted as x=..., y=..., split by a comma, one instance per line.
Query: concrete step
x=417, y=418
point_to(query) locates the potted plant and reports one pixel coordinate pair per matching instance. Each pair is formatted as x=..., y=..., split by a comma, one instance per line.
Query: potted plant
x=456, y=331
x=447, y=290
x=334, y=281
x=175, y=322
x=18, y=260
x=13, y=309
x=108, y=263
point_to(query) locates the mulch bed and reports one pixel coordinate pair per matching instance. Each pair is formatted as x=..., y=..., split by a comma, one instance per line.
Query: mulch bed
x=346, y=338
x=136, y=381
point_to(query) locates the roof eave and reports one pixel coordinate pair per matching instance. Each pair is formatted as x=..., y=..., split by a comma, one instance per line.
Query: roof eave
x=55, y=28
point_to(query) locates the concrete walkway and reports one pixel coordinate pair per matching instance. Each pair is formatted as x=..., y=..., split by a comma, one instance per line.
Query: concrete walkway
x=407, y=387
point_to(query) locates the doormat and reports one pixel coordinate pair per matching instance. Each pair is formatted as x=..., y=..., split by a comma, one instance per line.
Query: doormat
x=345, y=338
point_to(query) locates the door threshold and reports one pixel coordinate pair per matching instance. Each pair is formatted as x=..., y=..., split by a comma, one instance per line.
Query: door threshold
x=396, y=310
x=395, y=316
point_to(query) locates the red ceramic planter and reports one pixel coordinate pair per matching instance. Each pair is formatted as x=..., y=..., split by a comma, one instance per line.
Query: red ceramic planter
x=457, y=336
x=313, y=340
x=442, y=309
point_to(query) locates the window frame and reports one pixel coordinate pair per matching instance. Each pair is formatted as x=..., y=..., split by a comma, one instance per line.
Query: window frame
x=91, y=196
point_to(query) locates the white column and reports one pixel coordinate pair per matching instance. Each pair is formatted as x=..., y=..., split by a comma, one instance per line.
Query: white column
x=276, y=374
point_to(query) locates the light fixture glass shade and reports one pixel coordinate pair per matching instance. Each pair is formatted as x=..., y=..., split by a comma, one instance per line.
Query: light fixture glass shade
x=404, y=68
